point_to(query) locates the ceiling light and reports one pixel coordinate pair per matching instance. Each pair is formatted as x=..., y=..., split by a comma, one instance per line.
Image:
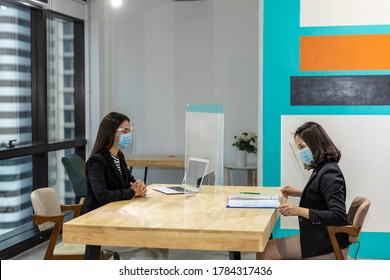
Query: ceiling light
x=116, y=3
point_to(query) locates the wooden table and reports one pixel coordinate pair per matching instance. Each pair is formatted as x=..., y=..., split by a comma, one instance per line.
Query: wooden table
x=158, y=161
x=251, y=170
x=199, y=222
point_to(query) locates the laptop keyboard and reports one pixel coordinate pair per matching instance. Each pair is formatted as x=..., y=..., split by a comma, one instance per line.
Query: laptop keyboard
x=178, y=188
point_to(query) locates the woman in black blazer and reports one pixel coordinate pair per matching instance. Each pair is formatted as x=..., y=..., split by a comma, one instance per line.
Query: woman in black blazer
x=109, y=179
x=322, y=200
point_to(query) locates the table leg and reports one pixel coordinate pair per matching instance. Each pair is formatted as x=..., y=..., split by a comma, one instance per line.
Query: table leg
x=229, y=176
x=234, y=255
x=92, y=252
x=255, y=176
x=250, y=177
x=145, y=174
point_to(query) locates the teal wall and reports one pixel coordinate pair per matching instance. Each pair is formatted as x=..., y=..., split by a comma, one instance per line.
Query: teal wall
x=281, y=61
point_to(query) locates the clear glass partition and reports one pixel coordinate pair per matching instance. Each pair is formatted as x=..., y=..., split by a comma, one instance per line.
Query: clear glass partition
x=204, y=138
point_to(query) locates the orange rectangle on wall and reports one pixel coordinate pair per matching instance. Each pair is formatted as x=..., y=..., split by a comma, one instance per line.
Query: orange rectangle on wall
x=345, y=52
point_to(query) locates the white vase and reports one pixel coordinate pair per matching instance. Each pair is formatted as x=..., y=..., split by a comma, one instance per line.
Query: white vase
x=241, y=158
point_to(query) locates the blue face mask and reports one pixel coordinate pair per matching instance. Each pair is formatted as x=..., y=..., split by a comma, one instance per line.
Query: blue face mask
x=306, y=156
x=125, y=140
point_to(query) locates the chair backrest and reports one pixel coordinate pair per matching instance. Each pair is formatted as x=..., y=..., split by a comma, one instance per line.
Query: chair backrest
x=74, y=166
x=45, y=202
x=357, y=213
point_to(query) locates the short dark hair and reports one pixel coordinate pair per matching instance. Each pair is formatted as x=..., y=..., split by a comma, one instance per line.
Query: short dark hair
x=106, y=133
x=318, y=141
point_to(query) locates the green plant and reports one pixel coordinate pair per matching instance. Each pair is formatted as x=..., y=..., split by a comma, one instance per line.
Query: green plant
x=246, y=141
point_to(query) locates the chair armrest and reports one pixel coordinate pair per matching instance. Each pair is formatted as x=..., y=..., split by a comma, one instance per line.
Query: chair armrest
x=57, y=220
x=332, y=230
x=349, y=229
x=39, y=219
x=76, y=208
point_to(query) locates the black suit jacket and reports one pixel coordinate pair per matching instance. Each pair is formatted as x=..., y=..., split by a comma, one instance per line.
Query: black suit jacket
x=324, y=195
x=105, y=183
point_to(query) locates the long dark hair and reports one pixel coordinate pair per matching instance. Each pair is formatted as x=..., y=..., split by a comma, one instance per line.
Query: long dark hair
x=318, y=141
x=106, y=133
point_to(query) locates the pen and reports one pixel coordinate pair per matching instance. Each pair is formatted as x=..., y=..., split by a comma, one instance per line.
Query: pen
x=249, y=193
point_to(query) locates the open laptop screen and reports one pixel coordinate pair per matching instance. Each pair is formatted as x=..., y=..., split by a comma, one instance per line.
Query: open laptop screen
x=193, y=177
x=195, y=172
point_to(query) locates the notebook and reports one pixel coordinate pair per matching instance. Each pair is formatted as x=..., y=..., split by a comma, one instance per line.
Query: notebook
x=253, y=201
x=192, y=180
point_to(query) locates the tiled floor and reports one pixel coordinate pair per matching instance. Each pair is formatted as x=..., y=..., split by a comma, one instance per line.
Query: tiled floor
x=38, y=252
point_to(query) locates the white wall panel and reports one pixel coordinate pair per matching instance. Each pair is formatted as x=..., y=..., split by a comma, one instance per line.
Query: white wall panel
x=344, y=12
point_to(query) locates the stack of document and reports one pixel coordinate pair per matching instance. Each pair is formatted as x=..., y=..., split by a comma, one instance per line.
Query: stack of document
x=253, y=201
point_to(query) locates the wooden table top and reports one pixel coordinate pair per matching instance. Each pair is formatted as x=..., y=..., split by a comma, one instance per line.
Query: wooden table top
x=172, y=161
x=200, y=222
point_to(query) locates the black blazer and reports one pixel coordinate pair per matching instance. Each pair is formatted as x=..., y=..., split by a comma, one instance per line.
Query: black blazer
x=324, y=195
x=104, y=181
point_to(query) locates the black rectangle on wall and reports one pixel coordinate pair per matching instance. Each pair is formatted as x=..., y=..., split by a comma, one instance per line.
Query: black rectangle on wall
x=340, y=90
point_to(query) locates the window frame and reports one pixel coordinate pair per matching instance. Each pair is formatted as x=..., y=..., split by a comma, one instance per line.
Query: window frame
x=28, y=236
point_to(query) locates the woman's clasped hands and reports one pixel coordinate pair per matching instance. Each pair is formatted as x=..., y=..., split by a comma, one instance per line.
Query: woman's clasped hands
x=139, y=187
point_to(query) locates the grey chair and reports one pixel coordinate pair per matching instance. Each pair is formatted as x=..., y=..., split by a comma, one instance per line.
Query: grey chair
x=74, y=166
x=355, y=218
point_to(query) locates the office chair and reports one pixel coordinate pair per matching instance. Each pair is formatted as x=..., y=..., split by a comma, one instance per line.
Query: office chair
x=74, y=166
x=355, y=218
x=48, y=214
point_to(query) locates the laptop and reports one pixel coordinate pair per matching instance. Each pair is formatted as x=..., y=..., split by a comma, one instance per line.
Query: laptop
x=193, y=177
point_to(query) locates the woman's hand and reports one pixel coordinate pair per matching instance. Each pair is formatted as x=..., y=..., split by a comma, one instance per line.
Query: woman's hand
x=139, y=187
x=290, y=191
x=293, y=210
